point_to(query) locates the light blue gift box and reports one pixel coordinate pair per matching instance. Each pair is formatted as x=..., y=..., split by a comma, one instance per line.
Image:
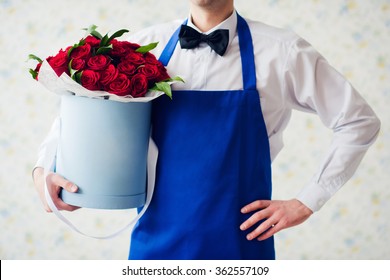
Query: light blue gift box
x=103, y=148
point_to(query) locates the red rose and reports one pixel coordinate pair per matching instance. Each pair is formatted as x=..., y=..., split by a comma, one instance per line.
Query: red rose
x=78, y=64
x=90, y=79
x=108, y=75
x=163, y=73
x=121, y=48
x=151, y=59
x=127, y=67
x=92, y=41
x=120, y=86
x=59, y=62
x=140, y=85
x=134, y=58
x=81, y=52
x=98, y=62
x=151, y=71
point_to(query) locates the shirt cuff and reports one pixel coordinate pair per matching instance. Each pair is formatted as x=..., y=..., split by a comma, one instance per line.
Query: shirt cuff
x=314, y=196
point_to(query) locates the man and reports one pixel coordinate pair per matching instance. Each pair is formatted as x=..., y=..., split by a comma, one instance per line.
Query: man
x=219, y=134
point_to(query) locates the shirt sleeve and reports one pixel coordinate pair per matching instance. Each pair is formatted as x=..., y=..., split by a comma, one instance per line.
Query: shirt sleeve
x=42, y=154
x=311, y=84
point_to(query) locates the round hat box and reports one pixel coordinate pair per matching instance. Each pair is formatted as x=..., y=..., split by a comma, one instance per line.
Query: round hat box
x=103, y=148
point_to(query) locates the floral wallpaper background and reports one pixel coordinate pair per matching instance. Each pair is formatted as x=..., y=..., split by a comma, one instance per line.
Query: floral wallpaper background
x=354, y=35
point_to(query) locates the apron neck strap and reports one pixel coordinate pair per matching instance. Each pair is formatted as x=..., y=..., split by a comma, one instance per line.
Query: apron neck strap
x=247, y=54
x=166, y=55
x=246, y=51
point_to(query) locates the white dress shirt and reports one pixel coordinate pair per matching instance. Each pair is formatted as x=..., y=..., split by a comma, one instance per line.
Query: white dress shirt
x=291, y=74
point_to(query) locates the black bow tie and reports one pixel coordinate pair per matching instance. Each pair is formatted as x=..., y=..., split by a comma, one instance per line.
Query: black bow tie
x=217, y=40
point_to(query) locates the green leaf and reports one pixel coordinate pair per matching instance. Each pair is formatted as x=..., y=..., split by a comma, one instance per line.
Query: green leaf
x=77, y=76
x=104, y=41
x=92, y=30
x=103, y=50
x=34, y=57
x=96, y=34
x=72, y=71
x=164, y=87
x=33, y=73
x=117, y=34
x=176, y=79
x=147, y=48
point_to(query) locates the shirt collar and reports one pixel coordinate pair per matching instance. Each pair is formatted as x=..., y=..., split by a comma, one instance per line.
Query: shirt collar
x=230, y=24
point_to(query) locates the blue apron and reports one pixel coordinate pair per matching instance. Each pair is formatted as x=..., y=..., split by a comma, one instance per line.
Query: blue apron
x=213, y=159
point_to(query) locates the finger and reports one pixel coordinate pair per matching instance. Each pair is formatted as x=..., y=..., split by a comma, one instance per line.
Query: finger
x=274, y=229
x=258, y=204
x=62, y=182
x=53, y=192
x=67, y=207
x=263, y=228
x=60, y=204
x=56, y=182
x=254, y=219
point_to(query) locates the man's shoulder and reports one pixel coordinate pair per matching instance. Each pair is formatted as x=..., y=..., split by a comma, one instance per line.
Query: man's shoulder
x=159, y=32
x=263, y=31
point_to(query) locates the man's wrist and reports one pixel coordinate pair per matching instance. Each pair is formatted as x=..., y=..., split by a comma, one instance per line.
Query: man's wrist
x=36, y=172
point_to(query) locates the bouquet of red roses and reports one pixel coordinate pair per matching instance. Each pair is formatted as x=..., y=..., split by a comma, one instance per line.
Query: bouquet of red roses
x=102, y=63
x=102, y=145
